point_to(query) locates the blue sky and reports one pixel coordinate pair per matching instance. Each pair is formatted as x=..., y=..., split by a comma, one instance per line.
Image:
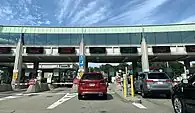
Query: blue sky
x=95, y=12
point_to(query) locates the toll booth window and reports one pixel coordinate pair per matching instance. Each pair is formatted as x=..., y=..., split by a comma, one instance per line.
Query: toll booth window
x=13, y=39
x=64, y=39
x=52, y=39
x=92, y=77
x=157, y=76
x=5, y=38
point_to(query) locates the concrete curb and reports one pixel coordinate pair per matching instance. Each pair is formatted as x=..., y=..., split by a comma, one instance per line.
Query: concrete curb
x=128, y=99
x=125, y=99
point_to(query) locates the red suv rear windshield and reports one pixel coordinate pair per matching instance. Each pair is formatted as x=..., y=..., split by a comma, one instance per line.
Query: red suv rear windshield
x=92, y=76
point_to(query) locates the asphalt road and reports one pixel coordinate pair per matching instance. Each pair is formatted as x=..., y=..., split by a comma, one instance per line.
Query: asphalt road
x=62, y=100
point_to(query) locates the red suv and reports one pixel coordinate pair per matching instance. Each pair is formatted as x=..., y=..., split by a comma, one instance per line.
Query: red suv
x=92, y=83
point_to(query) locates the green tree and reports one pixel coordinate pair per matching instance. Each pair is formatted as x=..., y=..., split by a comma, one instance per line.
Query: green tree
x=91, y=69
x=177, y=67
x=96, y=69
x=106, y=68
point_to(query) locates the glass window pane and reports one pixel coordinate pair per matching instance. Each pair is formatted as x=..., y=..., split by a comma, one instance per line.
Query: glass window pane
x=135, y=38
x=161, y=38
x=89, y=39
x=174, y=37
x=100, y=39
x=4, y=38
x=112, y=39
x=157, y=76
x=40, y=39
x=75, y=39
x=64, y=39
x=52, y=39
x=188, y=36
x=92, y=76
x=150, y=38
x=29, y=39
x=14, y=38
x=124, y=38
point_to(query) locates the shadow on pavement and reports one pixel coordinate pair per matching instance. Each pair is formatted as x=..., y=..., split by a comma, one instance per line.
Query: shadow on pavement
x=158, y=97
x=95, y=97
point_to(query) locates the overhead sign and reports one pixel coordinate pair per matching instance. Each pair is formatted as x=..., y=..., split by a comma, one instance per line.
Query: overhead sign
x=127, y=50
x=190, y=48
x=161, y=49
x=81, y=61
x=5, y=50
x=66, y=50
x=35, y=50
x=97, y=50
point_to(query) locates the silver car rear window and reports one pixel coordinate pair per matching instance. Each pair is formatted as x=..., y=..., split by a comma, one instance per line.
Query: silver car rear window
x=157, y=76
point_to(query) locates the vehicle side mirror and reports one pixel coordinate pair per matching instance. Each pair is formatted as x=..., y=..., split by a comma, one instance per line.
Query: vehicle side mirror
x=193, y=84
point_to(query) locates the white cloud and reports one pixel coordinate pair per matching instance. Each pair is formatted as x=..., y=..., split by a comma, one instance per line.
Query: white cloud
x=190, y=19
x=79, y=13
x=75, y=8
x=137, y=14
x=63, y=9
x=29, y=1
x=94, y=18
x=47, y=22
x=5, y=10
x=84, y=12
x=21, y=12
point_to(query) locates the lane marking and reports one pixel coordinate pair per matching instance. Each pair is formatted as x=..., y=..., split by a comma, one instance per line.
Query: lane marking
x=65, y=98
x=2, y=99
x=139, y=105
x=9, y=97
x=12, y=97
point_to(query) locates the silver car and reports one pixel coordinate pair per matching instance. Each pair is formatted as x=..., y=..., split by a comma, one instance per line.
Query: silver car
x=153, y=83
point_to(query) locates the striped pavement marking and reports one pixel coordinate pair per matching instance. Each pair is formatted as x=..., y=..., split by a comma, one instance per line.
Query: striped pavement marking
x=65, y=98
x=139, y=105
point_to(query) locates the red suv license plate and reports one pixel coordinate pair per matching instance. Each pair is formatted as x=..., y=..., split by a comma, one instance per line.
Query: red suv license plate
x=91, y=84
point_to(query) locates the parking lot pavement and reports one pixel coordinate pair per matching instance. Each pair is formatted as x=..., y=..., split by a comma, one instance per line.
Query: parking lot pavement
x=10, y=93
x=159, y=103
x=61, y=100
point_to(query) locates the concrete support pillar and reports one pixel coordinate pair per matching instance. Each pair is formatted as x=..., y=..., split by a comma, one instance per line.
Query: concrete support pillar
x=144, y=57
x=86, y=66
x=82, y=57
x=36, y=67
x=134, y=66
x=17, y=71
x=187, y=64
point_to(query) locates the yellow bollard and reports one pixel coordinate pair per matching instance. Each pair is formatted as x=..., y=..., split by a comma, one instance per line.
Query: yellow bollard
x=124, y=85
x=81, y=74
x=132, y=87
x=15, y=75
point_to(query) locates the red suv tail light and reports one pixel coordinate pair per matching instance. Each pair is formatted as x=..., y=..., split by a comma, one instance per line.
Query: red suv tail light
x=81, y=82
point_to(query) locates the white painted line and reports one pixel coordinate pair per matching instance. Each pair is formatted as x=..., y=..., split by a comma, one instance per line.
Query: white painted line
x=2, y=99
x=62, y=100
x=29, y=94
x=61, y=93
x=139, y=105
x=19, y=94
x=11, y=97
